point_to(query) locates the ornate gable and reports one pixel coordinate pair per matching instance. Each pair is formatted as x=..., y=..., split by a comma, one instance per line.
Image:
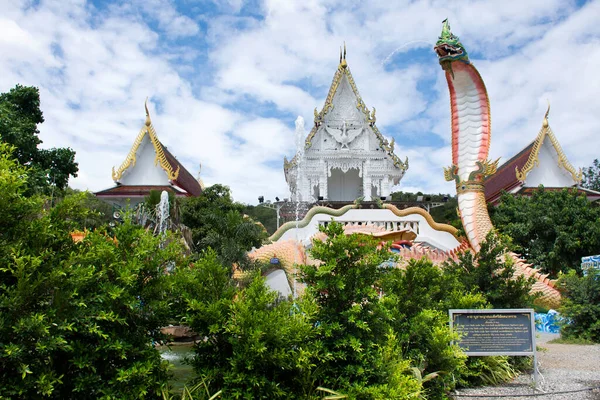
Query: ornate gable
x=344, y=115
x=534, y=155
x=175, y=173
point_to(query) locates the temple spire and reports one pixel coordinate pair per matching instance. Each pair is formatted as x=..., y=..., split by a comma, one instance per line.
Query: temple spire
x=545, y=123
x=148, y=122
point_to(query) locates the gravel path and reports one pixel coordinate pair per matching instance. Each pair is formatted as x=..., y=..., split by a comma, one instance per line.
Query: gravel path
x=563, y=367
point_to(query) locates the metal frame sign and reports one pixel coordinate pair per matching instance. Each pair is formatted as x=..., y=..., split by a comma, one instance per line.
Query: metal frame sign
x=495, y=332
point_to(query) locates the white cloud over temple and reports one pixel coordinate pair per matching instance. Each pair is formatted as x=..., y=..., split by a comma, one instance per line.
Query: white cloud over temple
x=226, y=81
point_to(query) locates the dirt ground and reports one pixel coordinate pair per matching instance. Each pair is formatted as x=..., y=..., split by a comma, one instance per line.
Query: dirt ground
x=563, y=367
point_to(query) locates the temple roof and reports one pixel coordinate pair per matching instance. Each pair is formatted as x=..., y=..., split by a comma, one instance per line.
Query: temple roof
x=137, y=190
x=175, y=171
x=513, y=172
x=329, y=112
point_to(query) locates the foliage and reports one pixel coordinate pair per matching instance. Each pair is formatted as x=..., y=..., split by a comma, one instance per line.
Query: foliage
x=20, y=115
x=572, y=340
x=217, y=221
x=92, y=213
x=552, y=229
x=255, y=346
x=418, y=299
x=266, y=216
x=445, y=214
x=77, y=319
x=490, y=272
x=487, y=371
x=364, y=357
x=580, y=305
x=199, y=391
x=591, y=176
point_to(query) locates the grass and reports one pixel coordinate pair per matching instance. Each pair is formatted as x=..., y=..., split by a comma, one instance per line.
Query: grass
x=573, y=340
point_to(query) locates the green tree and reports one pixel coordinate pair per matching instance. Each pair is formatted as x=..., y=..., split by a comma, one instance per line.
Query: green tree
x=20, y=115
x=254, y=346
x=551, y=229
x=591, y=176
x=491, y=273
x=581, y=305
x=217, y=222
x=266, y=216
x=77, y=319
x=418, y=298
x=363, y=355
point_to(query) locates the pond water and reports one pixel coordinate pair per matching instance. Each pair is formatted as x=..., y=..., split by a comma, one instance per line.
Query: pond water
x=176, y=355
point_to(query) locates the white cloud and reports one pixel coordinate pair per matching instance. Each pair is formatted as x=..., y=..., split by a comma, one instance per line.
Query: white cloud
x=95, y=68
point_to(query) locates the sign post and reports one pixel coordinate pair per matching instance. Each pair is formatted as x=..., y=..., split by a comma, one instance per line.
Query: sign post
x=496, y=332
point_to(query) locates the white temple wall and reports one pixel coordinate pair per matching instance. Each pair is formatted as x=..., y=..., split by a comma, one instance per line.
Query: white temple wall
x=383, y=217
x=548, y=172
x=344, y=186
x=145, y=172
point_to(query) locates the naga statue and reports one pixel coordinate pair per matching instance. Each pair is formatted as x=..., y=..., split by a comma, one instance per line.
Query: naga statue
x=471, y=137
x=471, y=134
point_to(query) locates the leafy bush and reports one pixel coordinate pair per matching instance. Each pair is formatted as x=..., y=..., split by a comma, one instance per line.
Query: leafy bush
x=552, y=229
x=581, y=305
x=418, y=298
x=366, y=358
x=77, y=319
x=254, y=346
x=491, y=273
x=217, y=222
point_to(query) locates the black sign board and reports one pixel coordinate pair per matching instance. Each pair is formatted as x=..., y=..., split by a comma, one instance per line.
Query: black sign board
x=508, y=332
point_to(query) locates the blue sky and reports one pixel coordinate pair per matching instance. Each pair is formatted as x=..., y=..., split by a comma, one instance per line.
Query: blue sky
x=227, y=79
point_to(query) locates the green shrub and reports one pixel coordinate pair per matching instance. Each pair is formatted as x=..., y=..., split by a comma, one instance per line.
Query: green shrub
x=356, y=329
x=581, y=305
x=255, y=346
x=77, y=319
x=491, y=273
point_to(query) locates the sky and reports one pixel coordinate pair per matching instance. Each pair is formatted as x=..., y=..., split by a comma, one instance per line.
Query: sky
x=227, y=79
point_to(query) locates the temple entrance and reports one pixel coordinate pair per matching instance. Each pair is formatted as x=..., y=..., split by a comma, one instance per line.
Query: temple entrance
x=344, y=186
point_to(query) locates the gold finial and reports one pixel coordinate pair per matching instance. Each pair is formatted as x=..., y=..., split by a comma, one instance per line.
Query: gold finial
x=344, y=49
x=343, y=63
x=147, y=113
x=340, y=54
x=545, y=124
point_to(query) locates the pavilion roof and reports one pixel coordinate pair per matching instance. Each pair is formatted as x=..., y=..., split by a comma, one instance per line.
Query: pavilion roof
x=137, y=190
x=175, y=171
x=514, y=172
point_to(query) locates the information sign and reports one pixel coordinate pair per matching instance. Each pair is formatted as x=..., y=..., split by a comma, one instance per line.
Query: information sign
x=508, y=332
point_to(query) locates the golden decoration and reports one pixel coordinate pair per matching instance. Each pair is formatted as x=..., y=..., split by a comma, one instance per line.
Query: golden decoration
x=158, y=148
x=418, y=210
x=451, y=173
x=534, y=160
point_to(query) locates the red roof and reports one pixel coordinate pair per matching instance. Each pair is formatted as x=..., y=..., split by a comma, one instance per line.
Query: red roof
x=505, y=177
x=136, y=191
x=184, y=180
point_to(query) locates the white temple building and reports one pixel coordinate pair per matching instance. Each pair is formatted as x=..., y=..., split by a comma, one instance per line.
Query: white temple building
x=345, y=156
x=542, y=162
x=149, y=166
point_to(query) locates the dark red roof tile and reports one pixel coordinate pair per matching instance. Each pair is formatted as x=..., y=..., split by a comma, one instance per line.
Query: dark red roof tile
x=505, y=177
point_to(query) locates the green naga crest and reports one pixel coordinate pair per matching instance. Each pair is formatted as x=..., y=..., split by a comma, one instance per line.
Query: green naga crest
x=449, y=48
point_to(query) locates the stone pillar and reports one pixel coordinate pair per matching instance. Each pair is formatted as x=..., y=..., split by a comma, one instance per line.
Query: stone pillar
x=325, y=176
x=385, y=187
x=366, y=176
